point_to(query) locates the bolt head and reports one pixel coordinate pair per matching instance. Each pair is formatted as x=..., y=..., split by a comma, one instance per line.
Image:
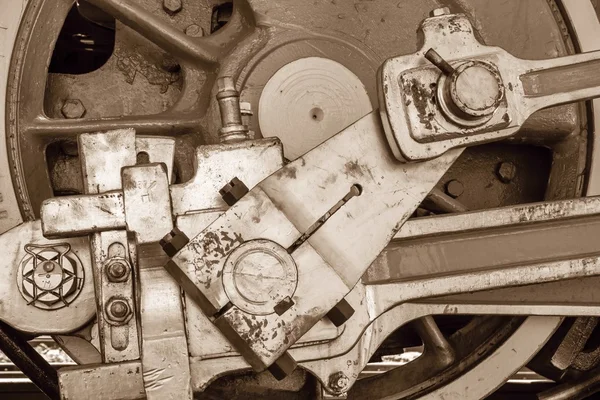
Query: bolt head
x=194, y=31
x=454, y=188
x=438, y=12
x=338, y=382
x=233, y=191
x=507, y=172
x=118, y=310
x=48, y=266
x=117, y=271
x=173, y=242
x=72, y=109
x=172, y=6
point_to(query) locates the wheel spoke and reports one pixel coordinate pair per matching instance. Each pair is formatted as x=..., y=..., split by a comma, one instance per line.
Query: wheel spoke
x=437, y=356
x=159, y=124
x=434, y=342
x=160, y=32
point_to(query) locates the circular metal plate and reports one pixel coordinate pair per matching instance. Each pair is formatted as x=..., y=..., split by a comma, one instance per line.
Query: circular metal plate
x=309, y=100
x=258, y=275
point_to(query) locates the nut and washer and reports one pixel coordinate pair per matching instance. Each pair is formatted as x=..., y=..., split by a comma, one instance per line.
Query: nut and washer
x=118, y=311
x=338, y=382
x=117, y=270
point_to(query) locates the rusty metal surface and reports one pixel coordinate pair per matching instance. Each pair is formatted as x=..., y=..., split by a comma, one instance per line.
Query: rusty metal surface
x=364, y=9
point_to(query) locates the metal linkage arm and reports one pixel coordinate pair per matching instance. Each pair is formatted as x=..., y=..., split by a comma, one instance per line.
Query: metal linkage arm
x=286, y=253
x=460, y=253
x=456, y=92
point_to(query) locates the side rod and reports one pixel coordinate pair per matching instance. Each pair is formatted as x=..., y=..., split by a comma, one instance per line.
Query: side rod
x=29, y=361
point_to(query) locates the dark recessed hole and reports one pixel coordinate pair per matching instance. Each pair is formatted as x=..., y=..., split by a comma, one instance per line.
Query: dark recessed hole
x=142, y=158
x=86, y=41
x=317, y=114
x=221, y=15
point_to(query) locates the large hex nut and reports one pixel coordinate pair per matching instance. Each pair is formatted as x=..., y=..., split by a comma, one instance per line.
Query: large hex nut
x=173, y=242
x=338, y=382
x=233, y=191
x=72, y=109
x=118, y=311
x=117, y=270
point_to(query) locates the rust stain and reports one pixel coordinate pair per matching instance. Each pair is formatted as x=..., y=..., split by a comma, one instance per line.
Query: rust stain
x=356, y=170
x=455, y=26
x=353, y=169
x=330, y=179
x=132, y=64
x=209, y=251
x=290, y=172
x=421, y=95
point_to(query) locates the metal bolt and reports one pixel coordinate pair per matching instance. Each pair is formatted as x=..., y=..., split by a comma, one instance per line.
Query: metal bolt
x=507, y=171
x=117, y=271
x=438, y=12
x=233, y=191
x=338, y=382
x=172, y=6
x=194, y=31
x=118, y=310
x=48, y=266
x=73, y=108
x=454, y=188
x=433, y=57
x=476, y=90
x=173, y=242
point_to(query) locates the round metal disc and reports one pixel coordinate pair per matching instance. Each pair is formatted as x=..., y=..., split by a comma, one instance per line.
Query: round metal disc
x=309, y=100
